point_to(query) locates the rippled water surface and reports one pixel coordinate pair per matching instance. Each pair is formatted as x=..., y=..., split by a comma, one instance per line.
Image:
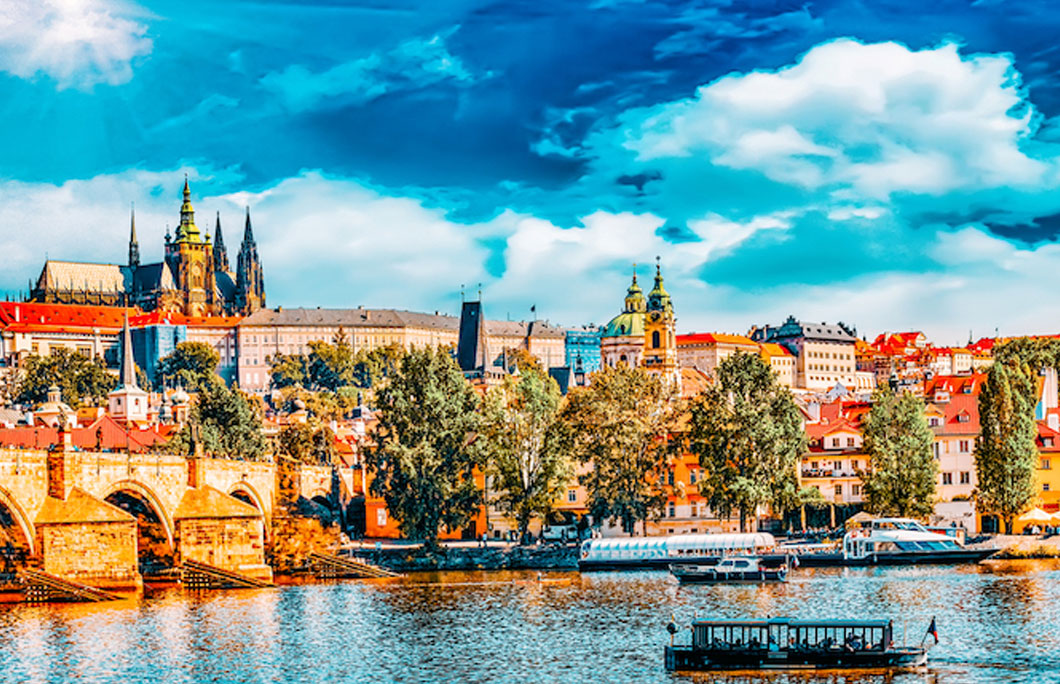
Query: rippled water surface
x=998, y=622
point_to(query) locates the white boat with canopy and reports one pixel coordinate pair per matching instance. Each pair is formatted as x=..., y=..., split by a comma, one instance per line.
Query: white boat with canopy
x=662, y=552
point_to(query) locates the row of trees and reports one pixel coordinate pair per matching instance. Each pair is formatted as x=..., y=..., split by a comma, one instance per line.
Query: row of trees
x=622, y=434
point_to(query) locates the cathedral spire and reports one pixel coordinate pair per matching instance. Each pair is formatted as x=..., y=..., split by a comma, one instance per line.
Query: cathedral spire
x=187, y=231
x=250, y=281
x=128, y=365
x=134, y=245
x=248, y=233
x=220, y=254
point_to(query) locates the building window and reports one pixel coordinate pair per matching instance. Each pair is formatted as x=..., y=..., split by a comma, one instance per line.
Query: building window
x=947, y=478
x=837, y=465
x=855, y=489
x=1047, y=464
x=692, y=476
x=670, y=478
x=964, y=446
x=839, y=490
x=966, y=477
x=671, y=511
x=572, y=495
x=1047, y=441
x=655, y=339
x=1045, y=486
x=850, y=441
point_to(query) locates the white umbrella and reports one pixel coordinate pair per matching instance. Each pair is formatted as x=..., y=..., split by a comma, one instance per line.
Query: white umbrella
x=1035, y=515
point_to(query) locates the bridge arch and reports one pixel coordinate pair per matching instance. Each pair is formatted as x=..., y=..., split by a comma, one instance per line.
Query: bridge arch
x=148, y=496
x=19, y=517
x=246, y=493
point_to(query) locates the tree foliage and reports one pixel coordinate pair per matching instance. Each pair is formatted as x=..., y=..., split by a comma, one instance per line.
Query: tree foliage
x=900, y=480
x=311, y=442
x=1006, y=454
x=82, y=380
x=622, y=425
x=524, y=446
x=523, y=360
x=425, y=451
x=747, y=433
x=190, y=365
x=225, y=421
x=335, y=367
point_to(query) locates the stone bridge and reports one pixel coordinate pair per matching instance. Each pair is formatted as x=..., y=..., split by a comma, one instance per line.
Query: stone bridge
x=106, y=516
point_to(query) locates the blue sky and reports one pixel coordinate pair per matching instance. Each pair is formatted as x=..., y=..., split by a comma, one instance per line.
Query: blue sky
x=877, y=163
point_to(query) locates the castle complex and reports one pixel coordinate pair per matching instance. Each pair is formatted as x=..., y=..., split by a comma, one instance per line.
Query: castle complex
x=194, y=277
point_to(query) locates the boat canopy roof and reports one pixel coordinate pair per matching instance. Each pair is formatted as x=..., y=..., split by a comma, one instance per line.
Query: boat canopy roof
x=683, y=542
x=842, y=624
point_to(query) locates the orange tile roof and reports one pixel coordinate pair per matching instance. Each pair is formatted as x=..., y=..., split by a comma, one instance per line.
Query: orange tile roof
x=713, y=338
x=773, y=349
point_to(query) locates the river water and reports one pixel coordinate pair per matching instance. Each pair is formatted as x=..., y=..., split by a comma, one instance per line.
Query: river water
x=998, y=622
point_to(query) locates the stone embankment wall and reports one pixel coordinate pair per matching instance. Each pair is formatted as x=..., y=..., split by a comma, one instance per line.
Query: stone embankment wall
x=547, y=557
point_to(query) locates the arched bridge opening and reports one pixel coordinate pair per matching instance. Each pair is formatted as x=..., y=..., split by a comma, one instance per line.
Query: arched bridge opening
x=154, y=537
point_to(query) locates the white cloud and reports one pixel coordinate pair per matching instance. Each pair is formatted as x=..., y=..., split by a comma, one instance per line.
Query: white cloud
x=79, y=43
x=874, y=119
x=415, y=63
x=337, y=242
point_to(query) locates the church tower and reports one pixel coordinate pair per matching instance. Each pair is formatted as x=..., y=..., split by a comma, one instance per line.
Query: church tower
x=250, y=281
x=134, y=245
x=190, y=260
x=220, y=254
x=660, y=332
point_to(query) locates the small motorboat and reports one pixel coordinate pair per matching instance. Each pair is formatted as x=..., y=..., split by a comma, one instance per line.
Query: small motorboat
x=784, y=644
x=733, y=569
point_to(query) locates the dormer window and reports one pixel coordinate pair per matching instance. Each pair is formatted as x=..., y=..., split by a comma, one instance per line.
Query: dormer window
x=963, y=418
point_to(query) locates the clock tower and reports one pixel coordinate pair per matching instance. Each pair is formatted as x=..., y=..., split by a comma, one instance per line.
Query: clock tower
x=660, y=332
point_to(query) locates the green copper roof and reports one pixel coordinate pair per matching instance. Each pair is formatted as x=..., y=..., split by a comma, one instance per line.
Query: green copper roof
x=625, y=324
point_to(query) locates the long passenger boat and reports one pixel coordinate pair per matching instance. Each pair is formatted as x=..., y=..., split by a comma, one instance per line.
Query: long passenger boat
x=785, y=644
x=895, y=541
x=661, y=553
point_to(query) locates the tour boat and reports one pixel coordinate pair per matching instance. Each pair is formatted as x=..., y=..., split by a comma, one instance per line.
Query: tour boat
x=895, y=541
x=783, y=643
x=735, y=569
x=680, y=549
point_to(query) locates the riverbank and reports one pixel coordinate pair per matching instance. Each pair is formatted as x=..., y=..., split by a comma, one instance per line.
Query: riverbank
x=1017, y=546
x=506, y=557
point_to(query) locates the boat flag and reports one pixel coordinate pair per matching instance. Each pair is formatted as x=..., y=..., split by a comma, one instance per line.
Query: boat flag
x=933, y=630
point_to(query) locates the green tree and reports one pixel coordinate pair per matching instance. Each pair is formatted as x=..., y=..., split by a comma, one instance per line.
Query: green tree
x=425, y=452
x=900, y=479
x=190, y=365
x=520, y=358
x=747, y=432
x=622, y=425
x=225, y=421
x=1006, y=454
x=524, y=446
x=82, y=380
x=311, y=442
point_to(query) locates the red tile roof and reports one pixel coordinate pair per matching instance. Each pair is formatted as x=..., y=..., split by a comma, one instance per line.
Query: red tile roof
x=32, y=317
x=713, y=338
x=104, y=433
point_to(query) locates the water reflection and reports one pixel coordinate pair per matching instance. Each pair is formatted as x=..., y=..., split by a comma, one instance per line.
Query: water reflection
x=997, y=624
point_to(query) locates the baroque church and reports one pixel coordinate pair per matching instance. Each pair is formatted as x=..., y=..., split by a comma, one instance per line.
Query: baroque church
x=194, y=278
x=645, y=333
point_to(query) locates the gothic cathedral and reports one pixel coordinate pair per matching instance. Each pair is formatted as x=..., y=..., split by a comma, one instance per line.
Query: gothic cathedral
x=194, y=278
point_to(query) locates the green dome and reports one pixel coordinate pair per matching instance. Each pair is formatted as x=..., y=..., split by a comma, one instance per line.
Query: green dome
x=626, y=324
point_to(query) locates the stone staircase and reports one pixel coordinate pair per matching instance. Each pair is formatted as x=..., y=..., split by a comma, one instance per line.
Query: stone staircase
x=326, y=565
x=42, y=587
x=196, y=575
